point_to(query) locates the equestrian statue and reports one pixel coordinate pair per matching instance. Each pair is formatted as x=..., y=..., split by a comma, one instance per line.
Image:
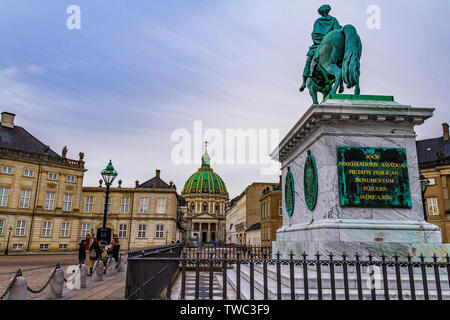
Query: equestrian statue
x=333, y=59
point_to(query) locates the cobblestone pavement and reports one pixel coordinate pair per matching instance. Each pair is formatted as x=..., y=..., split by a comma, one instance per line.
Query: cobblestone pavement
x=35, y=268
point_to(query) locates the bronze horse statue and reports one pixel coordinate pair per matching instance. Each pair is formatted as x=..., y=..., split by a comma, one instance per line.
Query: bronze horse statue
x=337, y=63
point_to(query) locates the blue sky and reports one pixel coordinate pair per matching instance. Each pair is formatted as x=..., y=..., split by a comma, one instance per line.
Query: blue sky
x=138, y=70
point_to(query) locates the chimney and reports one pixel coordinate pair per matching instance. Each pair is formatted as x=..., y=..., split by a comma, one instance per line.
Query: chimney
x=158, y=173
x=8, y=119
x=444, y=126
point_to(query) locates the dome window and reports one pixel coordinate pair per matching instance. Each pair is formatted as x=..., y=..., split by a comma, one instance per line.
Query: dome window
x=205, y=207
x=217, y=207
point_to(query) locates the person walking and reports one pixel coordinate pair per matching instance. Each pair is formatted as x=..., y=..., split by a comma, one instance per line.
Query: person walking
x=94, y=254
x=82, y=252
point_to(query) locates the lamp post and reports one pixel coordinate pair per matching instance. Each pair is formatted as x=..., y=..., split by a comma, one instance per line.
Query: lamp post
x=109, y=174
x=7, y=243
x=424, y=183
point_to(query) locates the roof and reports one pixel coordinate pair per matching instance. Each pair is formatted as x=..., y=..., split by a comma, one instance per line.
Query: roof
x=181, y=201
x=205, y=180
x=155, y=182
x=18, y=138
x=255, y=226
x=427, y=150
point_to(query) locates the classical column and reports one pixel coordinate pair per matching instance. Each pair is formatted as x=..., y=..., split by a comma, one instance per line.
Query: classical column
x=208, y=237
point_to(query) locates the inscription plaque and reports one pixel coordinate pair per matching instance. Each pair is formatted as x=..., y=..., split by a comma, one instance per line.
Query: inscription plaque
x=373, y=177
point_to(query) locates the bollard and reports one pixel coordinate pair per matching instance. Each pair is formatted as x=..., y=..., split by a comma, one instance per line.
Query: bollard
x=54, y=289
x=121, y=266
x=98, y=271
x=83, y=275
x=19, y=289
x=111, y=266
x=73, y=279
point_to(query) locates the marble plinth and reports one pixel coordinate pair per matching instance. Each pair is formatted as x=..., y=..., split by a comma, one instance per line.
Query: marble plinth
x=330, y=227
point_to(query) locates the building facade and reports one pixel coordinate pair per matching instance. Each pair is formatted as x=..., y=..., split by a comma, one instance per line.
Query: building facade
x=248, y=210
x=206, y=198
x=231, y=221
x=44, y=206
x=434, y=164
x=271, y=214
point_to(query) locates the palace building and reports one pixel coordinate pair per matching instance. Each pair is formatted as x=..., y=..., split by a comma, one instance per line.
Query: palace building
x=206, y=197
x=434, y=163
x=44, y=206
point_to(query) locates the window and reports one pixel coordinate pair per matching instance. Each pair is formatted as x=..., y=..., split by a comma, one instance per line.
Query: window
x=28, y=173
x=25, y=199
x=65, y=229
x=125, y=205
x=2, y=225
x=159, y=231
x=432, y=206
x=262, y=210
x=143, y=205
x=43, y=247
x=4, y=192
x=70, y=179
x=122, y=230
x=192, y=207
x=85, y=229
x=7, y=170
x=205, y=207
x=217, y=208
x=46, y=229
x=52, y=176
x=432, y=181
x=161, y=205
x=20, y=228
x=141, y=230
x=17, y=246
x=63, y=246
x=49, y=200
x=88, y=204
x=108, y=209
x=68, y=202
x=280, y=208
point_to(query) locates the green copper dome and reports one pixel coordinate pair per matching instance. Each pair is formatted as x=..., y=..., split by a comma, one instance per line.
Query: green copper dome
x=205, y=180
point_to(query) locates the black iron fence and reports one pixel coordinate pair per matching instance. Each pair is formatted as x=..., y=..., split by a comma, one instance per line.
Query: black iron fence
x=255, y=275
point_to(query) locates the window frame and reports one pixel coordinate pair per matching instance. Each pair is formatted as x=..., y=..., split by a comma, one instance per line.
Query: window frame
x=159, y=207
x=123, y=228
x=49, y=201
x=29, y=171
x=159, y=231
x=65, y=206
x=83, y=234
x=142, y=231
x=434, y=204
x=20, y=230
x=144, y=207
x=4, y=198
x=63, y=231
x=88, y=205
x=25, y=197
x=9, y=170
x=46, y=229
x=125, y=205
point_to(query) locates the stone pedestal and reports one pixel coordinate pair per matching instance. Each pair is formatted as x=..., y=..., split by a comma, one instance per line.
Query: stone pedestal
x=353, y=121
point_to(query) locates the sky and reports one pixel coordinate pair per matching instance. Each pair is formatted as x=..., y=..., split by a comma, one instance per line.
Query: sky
x=138, y=71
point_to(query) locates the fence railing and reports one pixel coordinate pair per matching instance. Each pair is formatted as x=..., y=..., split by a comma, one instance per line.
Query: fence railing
x=261, y=277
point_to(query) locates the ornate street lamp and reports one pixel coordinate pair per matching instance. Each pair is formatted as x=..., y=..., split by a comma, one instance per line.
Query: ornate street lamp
x=424, y=183
x=109, y=174
x=7, y=243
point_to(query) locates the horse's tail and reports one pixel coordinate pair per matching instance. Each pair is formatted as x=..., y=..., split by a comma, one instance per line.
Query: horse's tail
x=352, y=55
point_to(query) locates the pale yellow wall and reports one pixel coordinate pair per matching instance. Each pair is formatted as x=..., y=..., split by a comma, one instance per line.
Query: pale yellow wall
x=36, y=214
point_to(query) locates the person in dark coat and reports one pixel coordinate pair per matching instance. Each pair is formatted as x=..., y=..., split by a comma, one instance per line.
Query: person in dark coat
x=94, y=254
x=82, y=252
x=115, y=250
